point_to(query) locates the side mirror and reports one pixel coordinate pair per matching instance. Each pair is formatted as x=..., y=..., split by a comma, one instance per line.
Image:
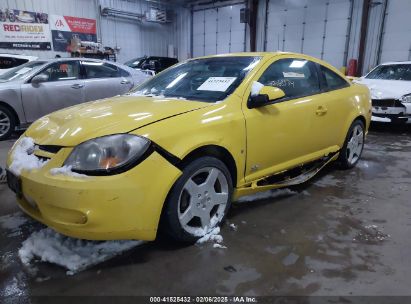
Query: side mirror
x=39, y=78
x=267, y=95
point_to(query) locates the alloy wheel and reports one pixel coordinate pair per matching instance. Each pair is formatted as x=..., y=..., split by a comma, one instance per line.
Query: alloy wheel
x=355, y=144
x=4, y=123
x=203, y=200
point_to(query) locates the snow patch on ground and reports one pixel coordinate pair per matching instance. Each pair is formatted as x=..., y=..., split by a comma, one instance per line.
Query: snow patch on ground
x=233, y=226
x=216, y=245
x=266, y=194
x=23, y=157
x=66, y=171
x=256, y=88
x=211, y=236
x=73, y=254
x=12, y=289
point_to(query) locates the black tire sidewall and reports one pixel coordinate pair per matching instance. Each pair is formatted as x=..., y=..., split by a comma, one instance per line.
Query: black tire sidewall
x=343, y=159
x=170, y=223
x=12, y=123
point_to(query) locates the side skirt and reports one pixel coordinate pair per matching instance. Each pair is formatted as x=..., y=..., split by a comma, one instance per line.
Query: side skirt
x=286, y=178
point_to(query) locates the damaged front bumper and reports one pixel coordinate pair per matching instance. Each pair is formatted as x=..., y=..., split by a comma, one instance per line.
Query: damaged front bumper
x=390, y=110
x=122, y=206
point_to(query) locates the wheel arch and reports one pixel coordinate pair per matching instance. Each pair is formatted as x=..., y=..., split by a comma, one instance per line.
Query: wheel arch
x=216, y=151
x=362, y=119
x=11, y=109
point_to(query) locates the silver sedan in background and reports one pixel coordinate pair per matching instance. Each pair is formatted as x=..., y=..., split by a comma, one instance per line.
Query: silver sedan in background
x=37, y=88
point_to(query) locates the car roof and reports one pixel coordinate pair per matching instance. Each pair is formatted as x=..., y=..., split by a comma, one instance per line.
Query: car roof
x=159, y=57
x=79, y=58
x=20, y=56
x=396, y=62
x=75, y=58
x=261, y=54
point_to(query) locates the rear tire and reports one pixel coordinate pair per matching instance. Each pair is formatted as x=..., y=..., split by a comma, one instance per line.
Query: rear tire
x=7, y=123
x=353, y=145
x=198, y=201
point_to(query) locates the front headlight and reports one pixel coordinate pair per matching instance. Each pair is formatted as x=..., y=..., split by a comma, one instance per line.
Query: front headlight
x=406, y=98
x=108, y=154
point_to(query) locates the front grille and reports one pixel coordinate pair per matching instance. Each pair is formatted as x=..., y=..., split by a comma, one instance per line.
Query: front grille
x=386, y=103
x=50, y=148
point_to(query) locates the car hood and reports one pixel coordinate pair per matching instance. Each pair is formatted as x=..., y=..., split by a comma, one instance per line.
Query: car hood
x=12, y=84
x=71, y=126
x=384, y=89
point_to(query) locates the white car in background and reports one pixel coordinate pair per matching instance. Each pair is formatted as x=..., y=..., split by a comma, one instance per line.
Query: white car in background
x=390, y=86
x=9, y=61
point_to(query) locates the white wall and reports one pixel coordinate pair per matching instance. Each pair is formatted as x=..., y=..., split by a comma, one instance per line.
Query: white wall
x=134, y=38
x=396, y=42
x=218, y=30
x=319, y=28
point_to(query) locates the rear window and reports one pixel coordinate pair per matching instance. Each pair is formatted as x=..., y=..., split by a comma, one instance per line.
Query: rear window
x=10, y=62
x=101, y=70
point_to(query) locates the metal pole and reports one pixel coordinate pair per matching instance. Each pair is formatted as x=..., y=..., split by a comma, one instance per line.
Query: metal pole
x=363, y=35
x=381, y=35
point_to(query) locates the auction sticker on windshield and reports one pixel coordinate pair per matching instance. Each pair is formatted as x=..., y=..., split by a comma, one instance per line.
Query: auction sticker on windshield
x=220, y=84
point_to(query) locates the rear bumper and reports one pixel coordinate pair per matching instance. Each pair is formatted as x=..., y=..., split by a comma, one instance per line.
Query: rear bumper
x=124, y=206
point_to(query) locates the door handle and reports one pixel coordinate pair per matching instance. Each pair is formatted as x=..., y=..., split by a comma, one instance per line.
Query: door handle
x=321, y=110
x=125, y=81
x=77, y=86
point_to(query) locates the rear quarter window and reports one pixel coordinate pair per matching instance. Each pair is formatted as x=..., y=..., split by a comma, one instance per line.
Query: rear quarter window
x=331, y=80
x=10, y=62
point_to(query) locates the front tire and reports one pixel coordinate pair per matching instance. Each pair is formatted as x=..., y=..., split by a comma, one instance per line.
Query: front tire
x=7, y=123
x=198, y=201
x=353, y=145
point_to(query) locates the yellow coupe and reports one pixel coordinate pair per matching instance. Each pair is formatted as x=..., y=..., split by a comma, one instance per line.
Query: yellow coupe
x=172, y=154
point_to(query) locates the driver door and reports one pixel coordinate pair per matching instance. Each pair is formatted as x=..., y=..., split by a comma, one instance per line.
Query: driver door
x=277, y=134
x=63, y=88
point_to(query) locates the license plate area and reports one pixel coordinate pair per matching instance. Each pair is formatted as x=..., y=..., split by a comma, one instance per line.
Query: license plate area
x=14, y=183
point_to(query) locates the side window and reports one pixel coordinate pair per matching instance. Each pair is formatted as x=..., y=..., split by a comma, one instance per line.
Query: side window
x=62, y=70
x=296, y=77
x=124, y=73
x=100, y=70
x=331, y=80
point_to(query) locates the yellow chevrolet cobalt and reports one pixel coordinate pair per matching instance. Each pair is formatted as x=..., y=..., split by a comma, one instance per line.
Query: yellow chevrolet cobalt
x=176, y=151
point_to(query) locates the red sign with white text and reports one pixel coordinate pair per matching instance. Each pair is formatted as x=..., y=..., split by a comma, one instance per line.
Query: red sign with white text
x=64, y=28
x=81, y=25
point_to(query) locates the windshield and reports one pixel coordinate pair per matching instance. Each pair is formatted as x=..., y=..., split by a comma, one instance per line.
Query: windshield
x=208, y=79
x=134, y=63
x=21, y=71
x=391, y=72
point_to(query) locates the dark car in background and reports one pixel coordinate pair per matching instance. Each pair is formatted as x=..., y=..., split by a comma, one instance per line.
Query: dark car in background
x=151, y=63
